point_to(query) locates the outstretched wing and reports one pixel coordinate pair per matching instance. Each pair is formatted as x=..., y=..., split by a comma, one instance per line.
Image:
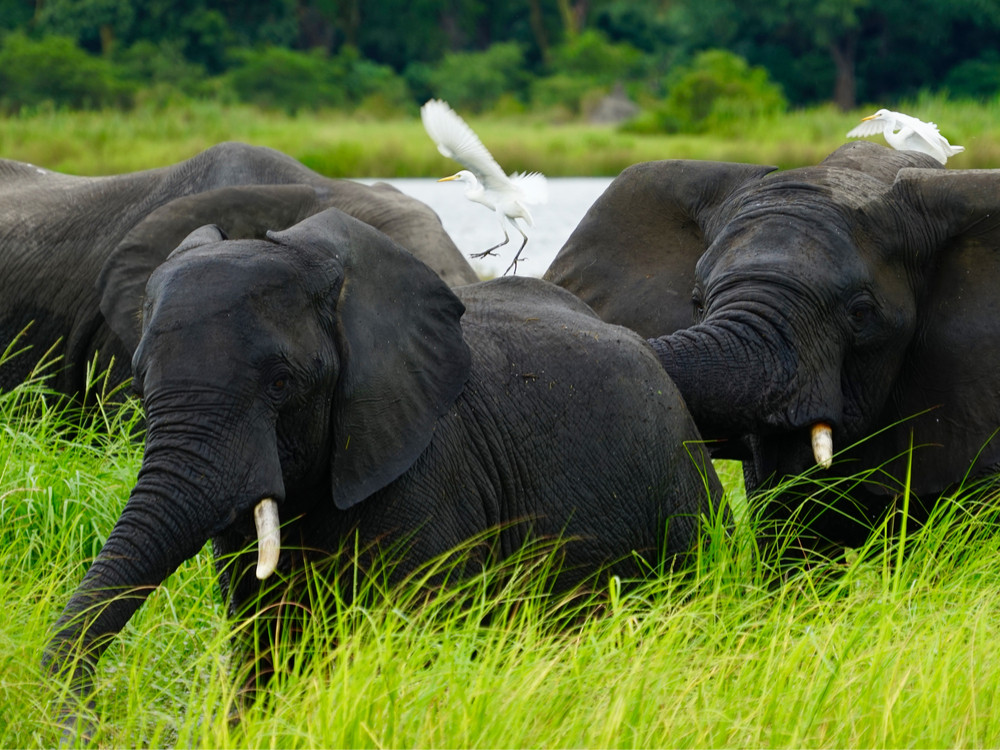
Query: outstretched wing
x=866, y=128
x=456, y=140
x=533, y=186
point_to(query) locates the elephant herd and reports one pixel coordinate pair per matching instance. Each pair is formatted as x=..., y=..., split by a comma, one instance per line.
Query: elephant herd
x=320, y=368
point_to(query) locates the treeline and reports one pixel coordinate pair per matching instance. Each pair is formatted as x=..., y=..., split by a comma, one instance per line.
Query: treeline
x=689, y=65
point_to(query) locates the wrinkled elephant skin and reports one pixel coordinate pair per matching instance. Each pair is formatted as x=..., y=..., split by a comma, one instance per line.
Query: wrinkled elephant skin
x=66, y=240
x=325, y=379
x=859, y=294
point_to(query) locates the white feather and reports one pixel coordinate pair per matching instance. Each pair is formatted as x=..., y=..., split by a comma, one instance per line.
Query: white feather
x=508, y=196
x=906, y=133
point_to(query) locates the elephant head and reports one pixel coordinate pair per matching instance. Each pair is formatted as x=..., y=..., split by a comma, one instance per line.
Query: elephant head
x=306, y=367
x=857, y=297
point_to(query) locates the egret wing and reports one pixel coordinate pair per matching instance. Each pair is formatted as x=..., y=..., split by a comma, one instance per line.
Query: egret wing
x=456, y=140
x=532, y=185
x=866, y=128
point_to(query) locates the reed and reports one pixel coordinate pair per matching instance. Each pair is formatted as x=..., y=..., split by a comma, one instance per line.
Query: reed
x=363, y=145
x=874, y=648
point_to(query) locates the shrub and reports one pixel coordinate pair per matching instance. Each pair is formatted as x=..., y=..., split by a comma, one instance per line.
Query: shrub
x=592, y=56
x=53, y=70
x=279, y=78
x=717, y=92
x=975, y=79
x=474, y=81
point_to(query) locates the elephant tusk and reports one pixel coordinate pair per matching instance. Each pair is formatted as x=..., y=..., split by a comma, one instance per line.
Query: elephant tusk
x=265, y=518
x=822, y=444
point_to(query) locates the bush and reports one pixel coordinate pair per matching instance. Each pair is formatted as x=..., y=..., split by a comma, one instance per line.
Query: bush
x=975, y=79
x=280, y=78
x=475, y=81
x=53, y=70
x=717, y=92
x=592, y=56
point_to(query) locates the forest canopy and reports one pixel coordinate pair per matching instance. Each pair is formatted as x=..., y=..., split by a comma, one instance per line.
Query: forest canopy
x=688, y=64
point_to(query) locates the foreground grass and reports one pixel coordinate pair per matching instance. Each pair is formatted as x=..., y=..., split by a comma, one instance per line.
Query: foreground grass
x=360, y=145
x=859, y=652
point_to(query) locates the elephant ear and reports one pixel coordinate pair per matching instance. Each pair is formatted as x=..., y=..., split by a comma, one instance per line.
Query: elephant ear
x=242, y=212
x=403, y=358
x=633, y=255
x=953, y=366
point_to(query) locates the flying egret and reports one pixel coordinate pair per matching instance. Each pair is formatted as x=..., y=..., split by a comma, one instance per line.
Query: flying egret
x=487, y=183
x=907, y=133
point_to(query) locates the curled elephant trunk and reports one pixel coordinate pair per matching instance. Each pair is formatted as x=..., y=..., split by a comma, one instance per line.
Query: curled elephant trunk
x=740, y=379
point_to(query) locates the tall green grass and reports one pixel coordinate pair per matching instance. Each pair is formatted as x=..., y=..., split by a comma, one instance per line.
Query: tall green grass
x=364, y=145
x=876, y=648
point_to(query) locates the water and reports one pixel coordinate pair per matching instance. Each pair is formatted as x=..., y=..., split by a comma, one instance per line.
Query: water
x=475, y=228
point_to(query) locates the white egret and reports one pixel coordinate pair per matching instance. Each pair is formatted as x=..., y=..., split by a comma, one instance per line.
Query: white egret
x=906, y=133
x=507, y=195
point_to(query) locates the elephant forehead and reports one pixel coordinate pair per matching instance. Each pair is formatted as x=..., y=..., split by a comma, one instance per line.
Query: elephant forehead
x=781, y=242
x=223, y=288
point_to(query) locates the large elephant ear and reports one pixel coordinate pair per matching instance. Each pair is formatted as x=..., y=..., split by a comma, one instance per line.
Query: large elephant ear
x=953, y=366
x=403, y=358
x=632, y=257
x=243, y=212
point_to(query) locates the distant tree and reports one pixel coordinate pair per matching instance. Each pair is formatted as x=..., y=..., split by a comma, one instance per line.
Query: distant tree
x=93, y=24
x=55, y=70
x=474, y=81
x=16, y=14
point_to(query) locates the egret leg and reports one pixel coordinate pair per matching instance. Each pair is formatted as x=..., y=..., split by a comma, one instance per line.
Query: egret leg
x=484, y=253
x=513, y=263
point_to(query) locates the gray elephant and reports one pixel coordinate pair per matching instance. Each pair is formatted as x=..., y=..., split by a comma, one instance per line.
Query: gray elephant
x=326, y=377
x=57, y=232
x=820, y=305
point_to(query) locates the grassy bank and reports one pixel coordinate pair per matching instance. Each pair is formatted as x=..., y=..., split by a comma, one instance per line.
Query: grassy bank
x=360, y=145
x=866, y=651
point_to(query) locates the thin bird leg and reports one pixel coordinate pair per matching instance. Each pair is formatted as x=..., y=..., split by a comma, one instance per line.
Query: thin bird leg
x=513, y=263
x=484, y=253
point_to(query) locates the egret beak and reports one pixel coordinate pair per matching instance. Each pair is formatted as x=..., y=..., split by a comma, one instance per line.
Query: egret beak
x=265, y=517
x=870, y=117
x=446, y=179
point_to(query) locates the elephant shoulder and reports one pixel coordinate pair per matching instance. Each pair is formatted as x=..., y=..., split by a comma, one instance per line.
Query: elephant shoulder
x=512, y=298
x=535, y=320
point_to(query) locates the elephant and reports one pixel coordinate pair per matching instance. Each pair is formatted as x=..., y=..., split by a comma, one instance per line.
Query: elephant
x=325, y=376
x=857, y=297
x=58, y=231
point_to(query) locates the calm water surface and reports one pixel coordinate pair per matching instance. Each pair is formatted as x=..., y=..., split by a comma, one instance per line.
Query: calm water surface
x=475, y=228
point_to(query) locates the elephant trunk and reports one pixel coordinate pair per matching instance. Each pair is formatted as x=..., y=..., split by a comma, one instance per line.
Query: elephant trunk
x=739, y=376
x=183, y=496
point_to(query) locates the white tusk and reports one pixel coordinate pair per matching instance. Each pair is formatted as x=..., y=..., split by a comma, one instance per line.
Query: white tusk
x=822, y=443
x=265, y=518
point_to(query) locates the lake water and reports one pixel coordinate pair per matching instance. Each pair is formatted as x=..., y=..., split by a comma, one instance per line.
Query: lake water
x=474, y=227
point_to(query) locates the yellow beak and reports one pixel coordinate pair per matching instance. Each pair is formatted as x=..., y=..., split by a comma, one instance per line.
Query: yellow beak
x=870, y=117
x=446, y=179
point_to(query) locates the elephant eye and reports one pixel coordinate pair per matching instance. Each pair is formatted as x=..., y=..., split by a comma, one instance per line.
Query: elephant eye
x=278, y=382
x=861, y=312
x=698, y=304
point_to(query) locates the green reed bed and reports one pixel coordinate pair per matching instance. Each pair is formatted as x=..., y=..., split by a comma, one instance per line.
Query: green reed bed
x=874, y=648
x=367, y=144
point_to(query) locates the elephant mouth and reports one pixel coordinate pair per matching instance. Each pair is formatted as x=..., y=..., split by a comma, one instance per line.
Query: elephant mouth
x=265, y=518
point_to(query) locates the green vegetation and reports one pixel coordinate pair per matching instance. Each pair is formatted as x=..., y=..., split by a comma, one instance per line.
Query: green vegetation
x=364, y=144
x=875, y=649
x=296, y=55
